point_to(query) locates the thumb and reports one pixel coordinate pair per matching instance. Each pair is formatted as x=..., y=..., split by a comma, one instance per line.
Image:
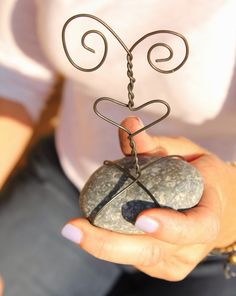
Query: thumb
x=148, y=144
x=145, y=143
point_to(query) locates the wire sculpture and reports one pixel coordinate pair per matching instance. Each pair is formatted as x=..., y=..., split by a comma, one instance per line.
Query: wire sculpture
x=130, y=104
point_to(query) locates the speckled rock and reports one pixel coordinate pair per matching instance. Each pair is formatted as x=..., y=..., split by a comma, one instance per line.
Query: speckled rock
x=172, y=182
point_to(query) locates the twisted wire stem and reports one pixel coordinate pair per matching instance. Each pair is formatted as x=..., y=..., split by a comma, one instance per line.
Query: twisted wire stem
x=130, y=75
x=130, y=88
x=134, y=154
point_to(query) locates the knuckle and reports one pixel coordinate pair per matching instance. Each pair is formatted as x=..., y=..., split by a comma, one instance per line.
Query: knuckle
x=149, y=256
x=190, y=258
x=177, y=276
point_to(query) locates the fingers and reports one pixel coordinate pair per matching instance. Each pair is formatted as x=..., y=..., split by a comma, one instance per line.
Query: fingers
x=194, y=226
x=148, y=144
x=197, y=225
x=114, y=247
x=155, y=258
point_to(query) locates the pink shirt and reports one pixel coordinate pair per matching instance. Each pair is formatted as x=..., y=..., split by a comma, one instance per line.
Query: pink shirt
x=201, y=93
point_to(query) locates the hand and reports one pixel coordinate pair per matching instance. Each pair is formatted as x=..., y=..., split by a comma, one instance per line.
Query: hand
x=174, y=242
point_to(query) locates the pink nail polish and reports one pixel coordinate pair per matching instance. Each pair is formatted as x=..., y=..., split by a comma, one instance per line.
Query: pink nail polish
x=146, y=224
x=72, y=233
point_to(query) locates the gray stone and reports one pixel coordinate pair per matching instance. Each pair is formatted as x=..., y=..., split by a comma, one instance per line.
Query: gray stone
x=173, y=183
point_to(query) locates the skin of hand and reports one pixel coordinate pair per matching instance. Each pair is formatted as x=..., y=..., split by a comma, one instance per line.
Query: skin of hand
x=16, y=129
x=174, y=242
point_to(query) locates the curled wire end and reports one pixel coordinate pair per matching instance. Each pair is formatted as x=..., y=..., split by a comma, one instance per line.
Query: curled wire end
x=169, y=49
x=128, y=50
x=83, y=43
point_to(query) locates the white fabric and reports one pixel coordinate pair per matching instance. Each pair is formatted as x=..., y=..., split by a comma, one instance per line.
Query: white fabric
x=25, y=75
x=197, y=92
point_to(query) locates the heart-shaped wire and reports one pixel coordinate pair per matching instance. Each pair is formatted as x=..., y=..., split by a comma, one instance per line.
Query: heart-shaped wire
x=133, y=109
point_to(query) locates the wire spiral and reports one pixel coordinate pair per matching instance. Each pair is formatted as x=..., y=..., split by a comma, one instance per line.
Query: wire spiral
x=130, y=87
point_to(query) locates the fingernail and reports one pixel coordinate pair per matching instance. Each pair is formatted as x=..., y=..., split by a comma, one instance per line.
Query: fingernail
x=72, y=233
x=146, y=224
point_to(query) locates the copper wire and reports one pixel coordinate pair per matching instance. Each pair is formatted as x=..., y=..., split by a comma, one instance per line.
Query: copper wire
x=130, y=104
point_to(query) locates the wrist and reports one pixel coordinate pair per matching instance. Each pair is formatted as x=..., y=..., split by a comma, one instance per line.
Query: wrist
x=227, y=245
x=227, y=235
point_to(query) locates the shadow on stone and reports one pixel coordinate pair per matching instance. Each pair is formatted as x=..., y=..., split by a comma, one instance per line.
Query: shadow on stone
x=131, y=209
